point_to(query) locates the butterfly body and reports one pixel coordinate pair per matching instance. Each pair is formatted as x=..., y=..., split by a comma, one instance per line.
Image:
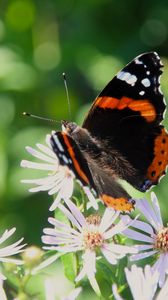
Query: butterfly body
x=121, y=137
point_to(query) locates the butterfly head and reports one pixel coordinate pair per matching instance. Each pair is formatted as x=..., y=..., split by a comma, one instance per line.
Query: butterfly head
x=69, y=127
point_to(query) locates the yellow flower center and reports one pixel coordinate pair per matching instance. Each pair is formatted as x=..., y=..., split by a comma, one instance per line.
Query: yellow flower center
x=92, y=238
x=161, y=241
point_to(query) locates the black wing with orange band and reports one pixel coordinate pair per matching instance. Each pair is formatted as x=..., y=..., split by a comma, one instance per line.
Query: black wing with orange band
x=69, y=155
x=127, y=115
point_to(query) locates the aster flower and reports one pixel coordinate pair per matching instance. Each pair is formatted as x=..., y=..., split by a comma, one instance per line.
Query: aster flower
x=10, y=250
x=59, y=179
x=87, y=235
x=153, y=236
x=143, y=284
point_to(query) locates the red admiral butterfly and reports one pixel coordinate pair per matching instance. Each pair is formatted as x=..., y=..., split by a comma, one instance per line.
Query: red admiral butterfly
x=121, y=137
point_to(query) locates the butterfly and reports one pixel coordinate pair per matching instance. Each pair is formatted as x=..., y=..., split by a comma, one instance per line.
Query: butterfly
x=121, y=136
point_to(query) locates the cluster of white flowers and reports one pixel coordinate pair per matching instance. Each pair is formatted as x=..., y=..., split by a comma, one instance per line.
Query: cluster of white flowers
x=86, y=235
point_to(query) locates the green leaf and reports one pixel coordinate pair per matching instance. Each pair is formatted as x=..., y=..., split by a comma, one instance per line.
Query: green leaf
x=70, y=266
x=120, y=274
x=105, y=277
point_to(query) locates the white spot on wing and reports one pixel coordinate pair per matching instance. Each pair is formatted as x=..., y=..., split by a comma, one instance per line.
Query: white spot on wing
x=141, y=93
x=127, y=77
x=146, y=82
x=147, y=72
x=58, y=143
x=138, y=62
x=65, y=159
x=132, y=79
x=122, y=75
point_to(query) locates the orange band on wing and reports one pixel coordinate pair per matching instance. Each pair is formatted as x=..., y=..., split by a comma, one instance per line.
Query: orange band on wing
x=121, y=204
x=75, y=162
x=160, y=161
x=144, y=107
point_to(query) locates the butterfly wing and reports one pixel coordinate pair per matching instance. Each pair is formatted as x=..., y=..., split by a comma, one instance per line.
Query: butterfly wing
x=110, y=192
x=69, y=154
x=126, y=116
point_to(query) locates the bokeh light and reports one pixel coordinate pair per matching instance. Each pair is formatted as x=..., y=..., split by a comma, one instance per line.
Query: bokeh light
x=153, y=33
x=20, y=14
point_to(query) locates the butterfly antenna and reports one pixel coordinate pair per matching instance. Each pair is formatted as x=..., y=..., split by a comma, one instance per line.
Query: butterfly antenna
x=67, y=94
x=40, y=118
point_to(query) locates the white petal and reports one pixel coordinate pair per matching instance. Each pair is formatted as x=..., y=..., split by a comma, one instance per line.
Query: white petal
x=56, y=187
x=45, y=187
x=143, y=247
x=156, y=208
x=12, y=249
x=90, y=267
x=162, y=267
x=61, y=233
x=121, y=249
x=163, y=294
x=81, y=275
x=12, y=260
x=143, y=226
x=118, y=228
x=2, y=292
x=76, y=212
x=38, y=166
x=52, y=240
x=59, y=224
x=65, y=249
x=110, y=257
x=149, y=213
x=67, y=188
x=135, y=235
x=48, y=140
x=142, y=255
x=56, y=202
x=108, y=218
x=41, y=156
x=70, y=216
x=7, y=234
x=115, y=292
x=40, y=181
x=46, y=263
x=91, y=197
x=74, y=294
x=47, y=150
x=142, y=284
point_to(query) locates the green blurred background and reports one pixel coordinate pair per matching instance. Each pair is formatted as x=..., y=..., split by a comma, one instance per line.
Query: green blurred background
x=90, y=41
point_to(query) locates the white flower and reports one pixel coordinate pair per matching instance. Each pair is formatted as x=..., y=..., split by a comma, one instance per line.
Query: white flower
x=59, y=179
x=51, y=288
x=10, y=250
x=143, y=284
x=153, y=237
x=87, y=235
